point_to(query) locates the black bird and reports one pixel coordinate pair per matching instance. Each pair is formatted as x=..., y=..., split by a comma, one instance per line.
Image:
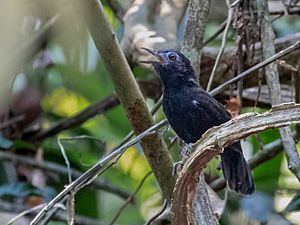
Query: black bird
x=191, y=111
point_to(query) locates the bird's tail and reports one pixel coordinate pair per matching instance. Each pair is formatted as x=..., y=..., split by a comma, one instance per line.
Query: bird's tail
x=236, y=170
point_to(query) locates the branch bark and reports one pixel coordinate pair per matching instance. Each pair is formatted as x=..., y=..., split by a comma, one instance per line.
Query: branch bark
x=128, y=92
x=213, y=142
x=197, y=13
x=272, y=77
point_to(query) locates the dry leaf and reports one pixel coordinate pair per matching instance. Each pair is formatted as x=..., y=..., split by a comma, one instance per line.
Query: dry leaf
x=233, y=106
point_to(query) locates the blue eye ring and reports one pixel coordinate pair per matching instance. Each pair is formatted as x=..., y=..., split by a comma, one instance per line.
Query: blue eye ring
x=172, y=56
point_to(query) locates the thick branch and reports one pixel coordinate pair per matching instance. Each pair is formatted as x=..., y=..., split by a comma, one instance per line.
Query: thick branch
x=213, y=142
x=197, y=13
x=128, y=92
x=272, y=76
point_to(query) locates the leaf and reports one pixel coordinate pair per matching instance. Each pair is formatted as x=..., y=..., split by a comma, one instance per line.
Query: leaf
x=21, y=144
x=233, y=106
x=294, y=204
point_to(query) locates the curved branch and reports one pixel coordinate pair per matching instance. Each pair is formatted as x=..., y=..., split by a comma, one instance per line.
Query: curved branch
x=213, y=142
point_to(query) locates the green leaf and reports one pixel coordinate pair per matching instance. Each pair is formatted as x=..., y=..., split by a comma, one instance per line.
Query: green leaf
x=23, y=144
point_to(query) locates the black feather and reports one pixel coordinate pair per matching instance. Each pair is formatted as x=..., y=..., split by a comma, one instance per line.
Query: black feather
x=191, y=111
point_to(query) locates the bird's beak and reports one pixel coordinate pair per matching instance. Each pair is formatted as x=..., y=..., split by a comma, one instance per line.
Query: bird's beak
x=155, y=53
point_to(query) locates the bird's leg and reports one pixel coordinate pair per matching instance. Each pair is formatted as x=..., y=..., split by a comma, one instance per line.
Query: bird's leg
x=177, y=166
x=185, y=152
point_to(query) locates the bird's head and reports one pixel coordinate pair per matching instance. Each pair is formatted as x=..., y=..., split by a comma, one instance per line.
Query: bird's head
x=172, y=66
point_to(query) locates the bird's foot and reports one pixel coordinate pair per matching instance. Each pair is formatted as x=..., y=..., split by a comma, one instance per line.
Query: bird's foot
x=177, y=167
x=185, y=152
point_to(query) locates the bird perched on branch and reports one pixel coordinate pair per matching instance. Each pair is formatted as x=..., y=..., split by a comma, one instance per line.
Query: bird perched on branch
x=191, y=111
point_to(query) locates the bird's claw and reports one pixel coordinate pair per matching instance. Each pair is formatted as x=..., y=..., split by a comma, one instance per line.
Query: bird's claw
x=185, y=152
x=177, y=166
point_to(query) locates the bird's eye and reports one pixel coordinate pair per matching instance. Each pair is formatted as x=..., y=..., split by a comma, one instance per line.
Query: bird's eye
x=172, y=56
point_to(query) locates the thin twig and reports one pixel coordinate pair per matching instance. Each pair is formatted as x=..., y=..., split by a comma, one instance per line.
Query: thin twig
x=70, y=208
x=63, y=152
x=60, y=216
x=38, y=207
x=92, y=172
x=229, y=20
x=89, y=112
x=14, y=219
x=130, y=198
x=247, y=72
x=51, y=214
x=217, y=33
x=71, y=199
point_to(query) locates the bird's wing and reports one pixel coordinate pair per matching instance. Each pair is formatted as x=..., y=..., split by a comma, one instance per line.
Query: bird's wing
x=214, y=111
x=191, y=112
